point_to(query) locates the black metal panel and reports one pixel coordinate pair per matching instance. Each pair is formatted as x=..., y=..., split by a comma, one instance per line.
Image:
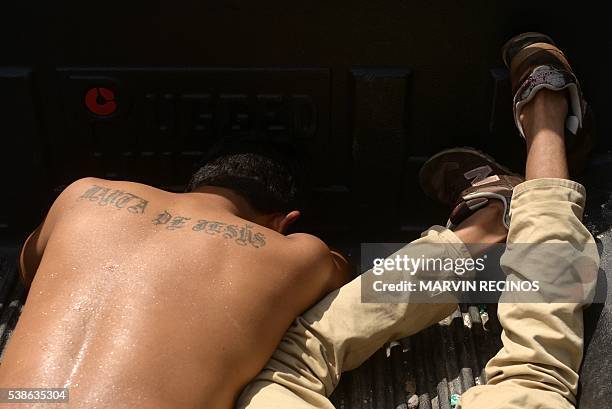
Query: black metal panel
x=153, y=125
x=379, y=127
x=19, y=152
x=456, y=96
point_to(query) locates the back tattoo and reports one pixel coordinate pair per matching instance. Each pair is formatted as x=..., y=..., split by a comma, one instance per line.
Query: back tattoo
x=242, y=235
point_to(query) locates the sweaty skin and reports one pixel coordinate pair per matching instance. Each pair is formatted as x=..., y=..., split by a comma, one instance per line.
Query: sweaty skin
x=149, y=299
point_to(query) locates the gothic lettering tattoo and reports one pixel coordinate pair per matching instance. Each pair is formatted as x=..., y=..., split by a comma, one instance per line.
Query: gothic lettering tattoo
x=241, y=235
x=116, y=198
x=170, y=222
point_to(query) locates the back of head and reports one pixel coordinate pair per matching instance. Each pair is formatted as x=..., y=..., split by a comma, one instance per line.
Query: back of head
x=264, y=175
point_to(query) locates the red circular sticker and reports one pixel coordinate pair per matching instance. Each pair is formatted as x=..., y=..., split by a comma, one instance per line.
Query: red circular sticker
x=101, y=101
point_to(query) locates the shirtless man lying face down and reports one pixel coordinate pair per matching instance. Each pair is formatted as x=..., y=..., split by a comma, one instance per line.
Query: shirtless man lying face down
x=141, y=298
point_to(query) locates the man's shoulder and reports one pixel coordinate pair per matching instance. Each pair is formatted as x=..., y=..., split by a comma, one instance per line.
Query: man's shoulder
x=314, y=256
x=89, y=195
x=103, y=190
x=125, y=185
x=308, y=242
x=308, y=250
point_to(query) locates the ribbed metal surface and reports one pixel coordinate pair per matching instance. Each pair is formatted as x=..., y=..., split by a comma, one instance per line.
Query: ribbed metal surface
x=11, y=294
x=424, y=371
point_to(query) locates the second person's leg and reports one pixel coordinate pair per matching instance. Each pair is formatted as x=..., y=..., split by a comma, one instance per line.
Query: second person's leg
x=542, y=342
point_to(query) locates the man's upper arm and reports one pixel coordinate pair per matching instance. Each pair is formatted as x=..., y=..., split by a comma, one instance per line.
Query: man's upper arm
x=34, y=246
x=343, y=270
x=30, y=256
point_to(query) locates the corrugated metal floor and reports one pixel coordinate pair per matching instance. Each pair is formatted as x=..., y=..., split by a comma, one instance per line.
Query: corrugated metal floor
x=11, y=292
x=425, y=371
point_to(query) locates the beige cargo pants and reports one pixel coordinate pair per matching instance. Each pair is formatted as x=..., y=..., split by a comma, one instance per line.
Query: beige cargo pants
x=542, y=343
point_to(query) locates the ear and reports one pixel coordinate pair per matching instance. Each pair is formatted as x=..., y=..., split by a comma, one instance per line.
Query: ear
x=282, y=222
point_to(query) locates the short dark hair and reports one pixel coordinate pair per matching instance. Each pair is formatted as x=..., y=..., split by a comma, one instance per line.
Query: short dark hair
x=264, y=175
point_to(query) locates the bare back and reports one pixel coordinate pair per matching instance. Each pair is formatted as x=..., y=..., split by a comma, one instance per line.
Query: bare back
x=145, y=298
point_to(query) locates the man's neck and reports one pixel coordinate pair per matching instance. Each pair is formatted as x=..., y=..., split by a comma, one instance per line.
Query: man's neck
x=225, y=200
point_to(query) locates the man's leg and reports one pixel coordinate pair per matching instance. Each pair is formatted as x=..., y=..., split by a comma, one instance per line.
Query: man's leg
x=543, y=120
x=542, y=342
x=538, y=364
x=341, y=332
